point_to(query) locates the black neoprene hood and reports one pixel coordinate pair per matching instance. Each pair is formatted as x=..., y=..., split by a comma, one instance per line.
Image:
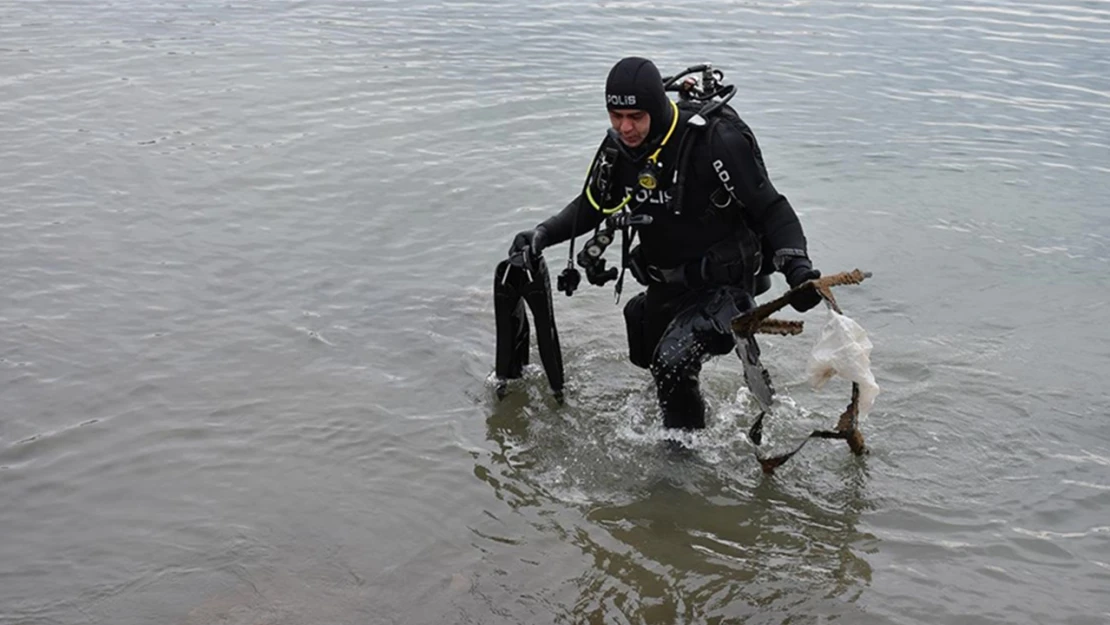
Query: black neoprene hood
x=635, y=83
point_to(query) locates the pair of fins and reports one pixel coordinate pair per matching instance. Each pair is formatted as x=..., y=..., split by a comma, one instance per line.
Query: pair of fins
x=518, y=280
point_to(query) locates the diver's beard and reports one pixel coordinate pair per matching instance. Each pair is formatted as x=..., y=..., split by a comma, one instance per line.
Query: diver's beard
x=631, y=146
x=637, y=153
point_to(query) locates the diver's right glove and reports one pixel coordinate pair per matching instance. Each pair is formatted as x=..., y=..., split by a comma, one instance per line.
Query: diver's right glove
x=798, y=271
x=530, y=243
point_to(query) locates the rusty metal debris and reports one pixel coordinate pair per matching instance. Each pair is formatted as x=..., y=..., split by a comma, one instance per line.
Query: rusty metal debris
x=758, y=321
x=749, y=323
x=781, y=327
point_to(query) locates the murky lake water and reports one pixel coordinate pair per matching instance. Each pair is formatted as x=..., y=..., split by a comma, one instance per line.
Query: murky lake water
x=246, y=327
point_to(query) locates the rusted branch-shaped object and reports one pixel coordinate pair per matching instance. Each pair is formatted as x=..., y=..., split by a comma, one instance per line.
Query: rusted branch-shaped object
x=781, y=327
x=823, y=285
x=758, y=320
x=750, y=322
x=846, y=429
x=849, y=422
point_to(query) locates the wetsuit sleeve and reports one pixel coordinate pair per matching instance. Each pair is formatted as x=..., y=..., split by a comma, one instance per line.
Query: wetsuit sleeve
x=578, y=217
x=739, y=166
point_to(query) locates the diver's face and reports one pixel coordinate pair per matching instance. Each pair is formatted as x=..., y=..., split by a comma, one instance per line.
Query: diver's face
x=632, y=125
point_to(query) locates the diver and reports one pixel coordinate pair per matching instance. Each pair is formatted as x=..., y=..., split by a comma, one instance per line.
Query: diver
x=690, y=183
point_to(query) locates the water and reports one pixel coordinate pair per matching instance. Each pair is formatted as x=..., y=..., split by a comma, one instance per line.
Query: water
x=246, y=328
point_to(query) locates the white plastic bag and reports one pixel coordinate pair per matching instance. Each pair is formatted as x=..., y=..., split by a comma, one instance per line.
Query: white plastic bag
x=844, y=350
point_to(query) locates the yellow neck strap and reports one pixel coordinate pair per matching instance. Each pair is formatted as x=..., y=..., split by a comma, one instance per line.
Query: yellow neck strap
x=674, y=122
x=652, y=159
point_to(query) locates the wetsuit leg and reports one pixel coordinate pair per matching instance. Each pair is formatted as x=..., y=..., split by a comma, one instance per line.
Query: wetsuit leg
x=647, y=315
x=699, y=330
x=661, y=304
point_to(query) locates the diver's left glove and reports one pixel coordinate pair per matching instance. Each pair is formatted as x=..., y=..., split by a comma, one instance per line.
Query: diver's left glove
x=798, y=271
x=530, y=243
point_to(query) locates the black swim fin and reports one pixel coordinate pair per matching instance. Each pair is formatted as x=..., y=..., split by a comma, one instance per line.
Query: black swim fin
x=516, y=282
x=512, y=329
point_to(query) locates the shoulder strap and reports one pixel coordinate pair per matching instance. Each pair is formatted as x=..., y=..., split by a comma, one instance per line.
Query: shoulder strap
x=681, y=164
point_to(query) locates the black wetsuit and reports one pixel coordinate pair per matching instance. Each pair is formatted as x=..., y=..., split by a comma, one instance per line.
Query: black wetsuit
x=699, y=264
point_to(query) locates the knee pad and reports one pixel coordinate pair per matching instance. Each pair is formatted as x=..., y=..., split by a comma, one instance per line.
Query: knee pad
x=638, y=350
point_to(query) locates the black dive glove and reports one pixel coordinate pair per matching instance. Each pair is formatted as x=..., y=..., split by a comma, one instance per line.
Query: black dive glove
x=798, y=271
x=530, y=243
